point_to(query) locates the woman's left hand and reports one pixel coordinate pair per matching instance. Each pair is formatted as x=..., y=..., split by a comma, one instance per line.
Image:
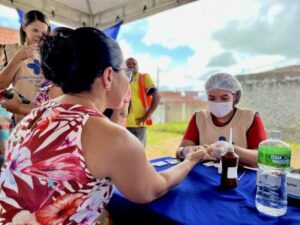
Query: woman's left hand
x=194, y=148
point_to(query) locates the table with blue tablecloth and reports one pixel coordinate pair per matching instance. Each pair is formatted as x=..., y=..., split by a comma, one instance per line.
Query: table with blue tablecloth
x=198, y=200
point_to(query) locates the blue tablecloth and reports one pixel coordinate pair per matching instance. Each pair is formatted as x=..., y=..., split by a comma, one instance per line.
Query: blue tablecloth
x=199, y=201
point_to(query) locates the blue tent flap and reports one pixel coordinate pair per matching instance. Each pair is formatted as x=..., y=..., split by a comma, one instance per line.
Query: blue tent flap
x=114, y=30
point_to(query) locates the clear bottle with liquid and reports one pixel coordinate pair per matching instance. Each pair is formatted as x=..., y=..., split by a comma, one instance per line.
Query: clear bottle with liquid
x=274, y=157
x=230, y=161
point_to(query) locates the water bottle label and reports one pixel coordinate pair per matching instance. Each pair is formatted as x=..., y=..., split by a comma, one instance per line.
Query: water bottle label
x=232, y=172
x=275, y=156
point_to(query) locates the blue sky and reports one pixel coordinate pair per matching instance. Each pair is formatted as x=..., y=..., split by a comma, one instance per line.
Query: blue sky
x=189, y=43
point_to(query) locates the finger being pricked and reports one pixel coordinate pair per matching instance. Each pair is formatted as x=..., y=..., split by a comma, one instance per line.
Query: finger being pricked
x=197, y=154
x=207, y=151
x=200, y=152
x=209, y=157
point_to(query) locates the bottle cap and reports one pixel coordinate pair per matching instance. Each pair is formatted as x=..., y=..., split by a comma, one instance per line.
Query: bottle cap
x=230, y=148
x=275, y=134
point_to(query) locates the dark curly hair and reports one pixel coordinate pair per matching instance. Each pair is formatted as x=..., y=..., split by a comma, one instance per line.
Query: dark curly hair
x=74, y=62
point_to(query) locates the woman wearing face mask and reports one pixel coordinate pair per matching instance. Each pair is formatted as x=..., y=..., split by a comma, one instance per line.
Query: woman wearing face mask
x=211, y=128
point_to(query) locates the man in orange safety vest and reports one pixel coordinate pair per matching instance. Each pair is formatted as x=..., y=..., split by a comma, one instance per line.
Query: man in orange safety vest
x=144, y=100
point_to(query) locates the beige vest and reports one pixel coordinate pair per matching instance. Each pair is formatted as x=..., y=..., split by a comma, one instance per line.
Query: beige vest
x=27, y=78
x=240, y=123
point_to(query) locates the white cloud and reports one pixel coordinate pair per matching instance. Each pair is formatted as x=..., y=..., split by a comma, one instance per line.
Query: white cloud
x=192, y=26
x=9, y=17
x=126, y=48
x=175, y=78
x=9, y=13
x=273, y=12
x=193, y=23
x=255, y=64
x=147, y=63
x=204, y=26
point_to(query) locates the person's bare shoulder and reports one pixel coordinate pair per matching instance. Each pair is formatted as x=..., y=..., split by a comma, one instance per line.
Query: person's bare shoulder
x=104, y=130
x=103, y=142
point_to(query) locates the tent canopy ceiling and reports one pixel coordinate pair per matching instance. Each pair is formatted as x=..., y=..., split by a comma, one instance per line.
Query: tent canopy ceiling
x=96, y=13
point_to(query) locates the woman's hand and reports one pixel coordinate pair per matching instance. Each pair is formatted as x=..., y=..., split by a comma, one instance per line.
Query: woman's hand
x=142, y=120
x=12, y=105
x=26, y=52
x=218, y=148
x=197, y=152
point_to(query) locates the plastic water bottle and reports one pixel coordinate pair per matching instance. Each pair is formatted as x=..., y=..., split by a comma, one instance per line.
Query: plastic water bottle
x=274, y=162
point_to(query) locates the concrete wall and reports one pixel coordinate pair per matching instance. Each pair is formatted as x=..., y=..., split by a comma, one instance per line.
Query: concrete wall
x=276, y=96
x=175, y=111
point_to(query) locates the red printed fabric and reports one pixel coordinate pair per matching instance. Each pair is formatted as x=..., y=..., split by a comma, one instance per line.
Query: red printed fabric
x=45, y=179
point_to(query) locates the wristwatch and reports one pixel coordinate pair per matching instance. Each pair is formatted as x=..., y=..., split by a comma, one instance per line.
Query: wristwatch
x=181, y=153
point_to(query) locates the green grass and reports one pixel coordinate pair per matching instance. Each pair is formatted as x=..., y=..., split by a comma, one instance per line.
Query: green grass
x=162, y=144
x=158, y=137
x=176, y=127
x=163, y=140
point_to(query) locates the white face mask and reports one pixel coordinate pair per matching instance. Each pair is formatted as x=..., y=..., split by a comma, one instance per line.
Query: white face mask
x=220, y=109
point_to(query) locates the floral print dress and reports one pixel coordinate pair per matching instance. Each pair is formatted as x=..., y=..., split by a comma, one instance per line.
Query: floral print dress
x=45, y=179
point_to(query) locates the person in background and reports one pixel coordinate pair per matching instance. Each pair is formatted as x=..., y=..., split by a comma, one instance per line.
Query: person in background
x=211, y=128
x=23, y=65
x=5, y=128
x=5, y=117
x=144, y=100
x=2, y=57
x=66, y=155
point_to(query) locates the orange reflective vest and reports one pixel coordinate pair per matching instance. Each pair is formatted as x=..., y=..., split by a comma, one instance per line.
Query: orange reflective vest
x=146, y=99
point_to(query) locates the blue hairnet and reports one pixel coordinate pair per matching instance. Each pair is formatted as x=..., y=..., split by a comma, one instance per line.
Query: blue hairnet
x=225, y=82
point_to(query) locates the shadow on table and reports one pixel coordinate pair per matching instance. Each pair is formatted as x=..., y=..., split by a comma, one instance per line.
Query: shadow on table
x=137, y=215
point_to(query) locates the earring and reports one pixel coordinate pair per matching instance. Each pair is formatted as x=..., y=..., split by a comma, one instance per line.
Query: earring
x=107, y=87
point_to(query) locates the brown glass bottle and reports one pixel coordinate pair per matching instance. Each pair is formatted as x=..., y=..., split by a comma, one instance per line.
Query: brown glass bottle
x=230, y=162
